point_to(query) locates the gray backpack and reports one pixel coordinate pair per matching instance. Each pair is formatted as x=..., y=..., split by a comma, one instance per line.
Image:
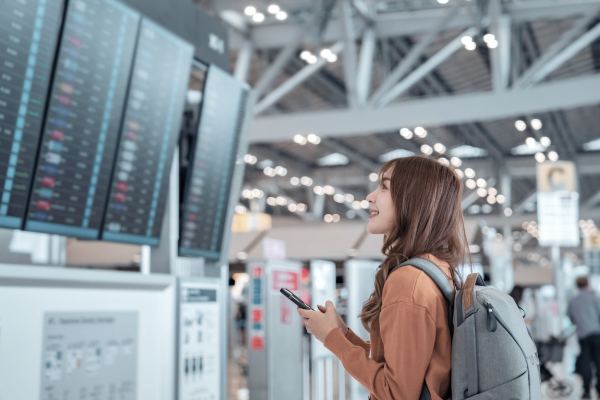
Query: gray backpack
x=493, y=354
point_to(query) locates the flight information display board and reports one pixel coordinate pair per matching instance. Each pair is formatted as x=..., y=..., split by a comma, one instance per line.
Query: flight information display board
x=209, y=182
x=28, y=38
x=149, y=133
x=83, y=119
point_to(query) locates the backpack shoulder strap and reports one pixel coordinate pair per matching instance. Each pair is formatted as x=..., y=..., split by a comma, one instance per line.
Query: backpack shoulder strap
x=433, y=271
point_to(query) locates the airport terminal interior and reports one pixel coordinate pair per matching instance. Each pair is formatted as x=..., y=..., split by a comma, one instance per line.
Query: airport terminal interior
x=167, y=167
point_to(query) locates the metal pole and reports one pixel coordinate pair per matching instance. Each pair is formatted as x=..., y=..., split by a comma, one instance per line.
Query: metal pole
x=341, y=381
x=329, y=377
x=559, y=283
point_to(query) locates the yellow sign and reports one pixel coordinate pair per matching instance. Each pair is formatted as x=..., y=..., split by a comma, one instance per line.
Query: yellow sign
x=553, y=176
x=251, y=222
x=592, y=241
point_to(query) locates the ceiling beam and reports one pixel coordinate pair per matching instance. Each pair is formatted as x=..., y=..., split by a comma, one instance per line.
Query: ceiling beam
x=472, y=107
x=410, y=23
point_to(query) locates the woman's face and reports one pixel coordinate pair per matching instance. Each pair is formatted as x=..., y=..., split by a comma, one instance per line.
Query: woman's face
x=381, y=206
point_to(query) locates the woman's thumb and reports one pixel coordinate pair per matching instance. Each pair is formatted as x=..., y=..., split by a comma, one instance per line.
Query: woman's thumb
x=330, y=306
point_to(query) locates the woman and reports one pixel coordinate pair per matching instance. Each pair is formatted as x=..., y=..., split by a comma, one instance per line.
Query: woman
x=417, y=206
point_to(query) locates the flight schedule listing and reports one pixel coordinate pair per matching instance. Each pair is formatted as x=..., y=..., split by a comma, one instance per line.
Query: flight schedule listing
x=29, y=32
x=148, y=137
x=84, y=115
x=209, y=183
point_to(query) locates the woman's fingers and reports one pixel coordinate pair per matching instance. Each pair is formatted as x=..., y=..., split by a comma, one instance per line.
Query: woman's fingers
x=322, y=309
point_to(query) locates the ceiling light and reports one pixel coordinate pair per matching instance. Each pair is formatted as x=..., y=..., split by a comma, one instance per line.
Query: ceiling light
x=482, y=192
x=336, y=218
x=240, y=210
x=493, y=44
x=481, y=183
x=420, y=132
x=470, y=183
x=269, y=172
x=250, y=11
x=281, y=15
x=292, y=207
x=492, y=192
x=540, y=157
x=553, y=156
x=273, y=9
x=329, y=190
x=295, y=181
x=471, y=46
x=332, y=58
x=281, y=201
x=364, y=204
x=247, y=194
x=536, y=124
x=459, y=173
x=301, y=207
x=466, y=151
x=491, y=199
x=305, y=55
x=328, y=218
x=356, y=205
x=440, y=148
x=500, y=199
x=312, y=59
x=325, y=53
x=456, y=161
x=318, y=190
x=406, y=133
x=298, y=138
x=469, y=173
x=442, y=1
x=281, y=171
x=339, y=198
x=398, y=153
x=306, y=181
x=508, y=212
x=545, y=141
x=489, y=38
x=426, y=149
x=486, y=208
x=517, y=246
x=349, y=198
x=258, y=193
x=531, y=142
x=373, y=177
x=271, y=201
x=520, y=125
x=312, y=138
x=258, y=17
x=465, y=40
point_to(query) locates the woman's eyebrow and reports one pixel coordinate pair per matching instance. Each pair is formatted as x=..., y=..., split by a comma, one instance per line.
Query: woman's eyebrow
x=385, y=179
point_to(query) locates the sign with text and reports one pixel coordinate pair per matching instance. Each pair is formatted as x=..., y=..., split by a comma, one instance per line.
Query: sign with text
x=558, y=204
x=273, y=249
x=286, y=279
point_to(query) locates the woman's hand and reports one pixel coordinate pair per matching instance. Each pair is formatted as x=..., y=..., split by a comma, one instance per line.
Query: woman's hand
x=340, y=323
x=321, y=323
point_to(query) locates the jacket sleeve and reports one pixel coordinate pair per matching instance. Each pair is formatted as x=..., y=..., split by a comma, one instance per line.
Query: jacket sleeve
x=407, y=350
x=357, y=340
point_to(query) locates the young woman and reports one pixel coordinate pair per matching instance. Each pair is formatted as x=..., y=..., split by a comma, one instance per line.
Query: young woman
x=417, y=206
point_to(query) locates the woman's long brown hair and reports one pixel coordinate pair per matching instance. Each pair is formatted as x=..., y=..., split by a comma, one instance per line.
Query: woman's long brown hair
x=429, y=220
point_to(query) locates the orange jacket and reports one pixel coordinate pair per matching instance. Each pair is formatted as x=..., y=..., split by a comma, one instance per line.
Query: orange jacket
x=411, y=342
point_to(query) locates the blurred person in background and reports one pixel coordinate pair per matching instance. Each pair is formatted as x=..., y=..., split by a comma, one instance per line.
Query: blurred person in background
x=584, y=312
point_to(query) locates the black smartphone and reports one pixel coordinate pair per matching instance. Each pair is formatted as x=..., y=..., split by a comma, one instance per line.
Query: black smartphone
x=295, y=299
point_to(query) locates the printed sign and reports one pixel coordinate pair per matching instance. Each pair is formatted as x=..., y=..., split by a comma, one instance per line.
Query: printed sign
x=257, y=308
x=286, y=279
x=273, y=249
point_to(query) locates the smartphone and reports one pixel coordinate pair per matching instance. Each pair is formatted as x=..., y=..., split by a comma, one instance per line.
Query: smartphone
x=295, y=299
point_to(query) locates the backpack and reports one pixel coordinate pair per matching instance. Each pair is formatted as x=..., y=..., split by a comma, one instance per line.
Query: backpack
x=493, y=354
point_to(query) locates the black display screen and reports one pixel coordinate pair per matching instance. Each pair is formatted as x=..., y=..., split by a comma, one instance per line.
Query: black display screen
x=149, y=133
x=209, y=182
x=83, y=119
x=29, y=32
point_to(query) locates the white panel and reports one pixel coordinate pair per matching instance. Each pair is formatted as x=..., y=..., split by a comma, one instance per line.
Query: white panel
x=24, y=300
x=322, y=280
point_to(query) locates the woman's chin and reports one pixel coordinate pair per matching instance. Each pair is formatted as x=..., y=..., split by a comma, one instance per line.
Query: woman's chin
x=373, y=229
